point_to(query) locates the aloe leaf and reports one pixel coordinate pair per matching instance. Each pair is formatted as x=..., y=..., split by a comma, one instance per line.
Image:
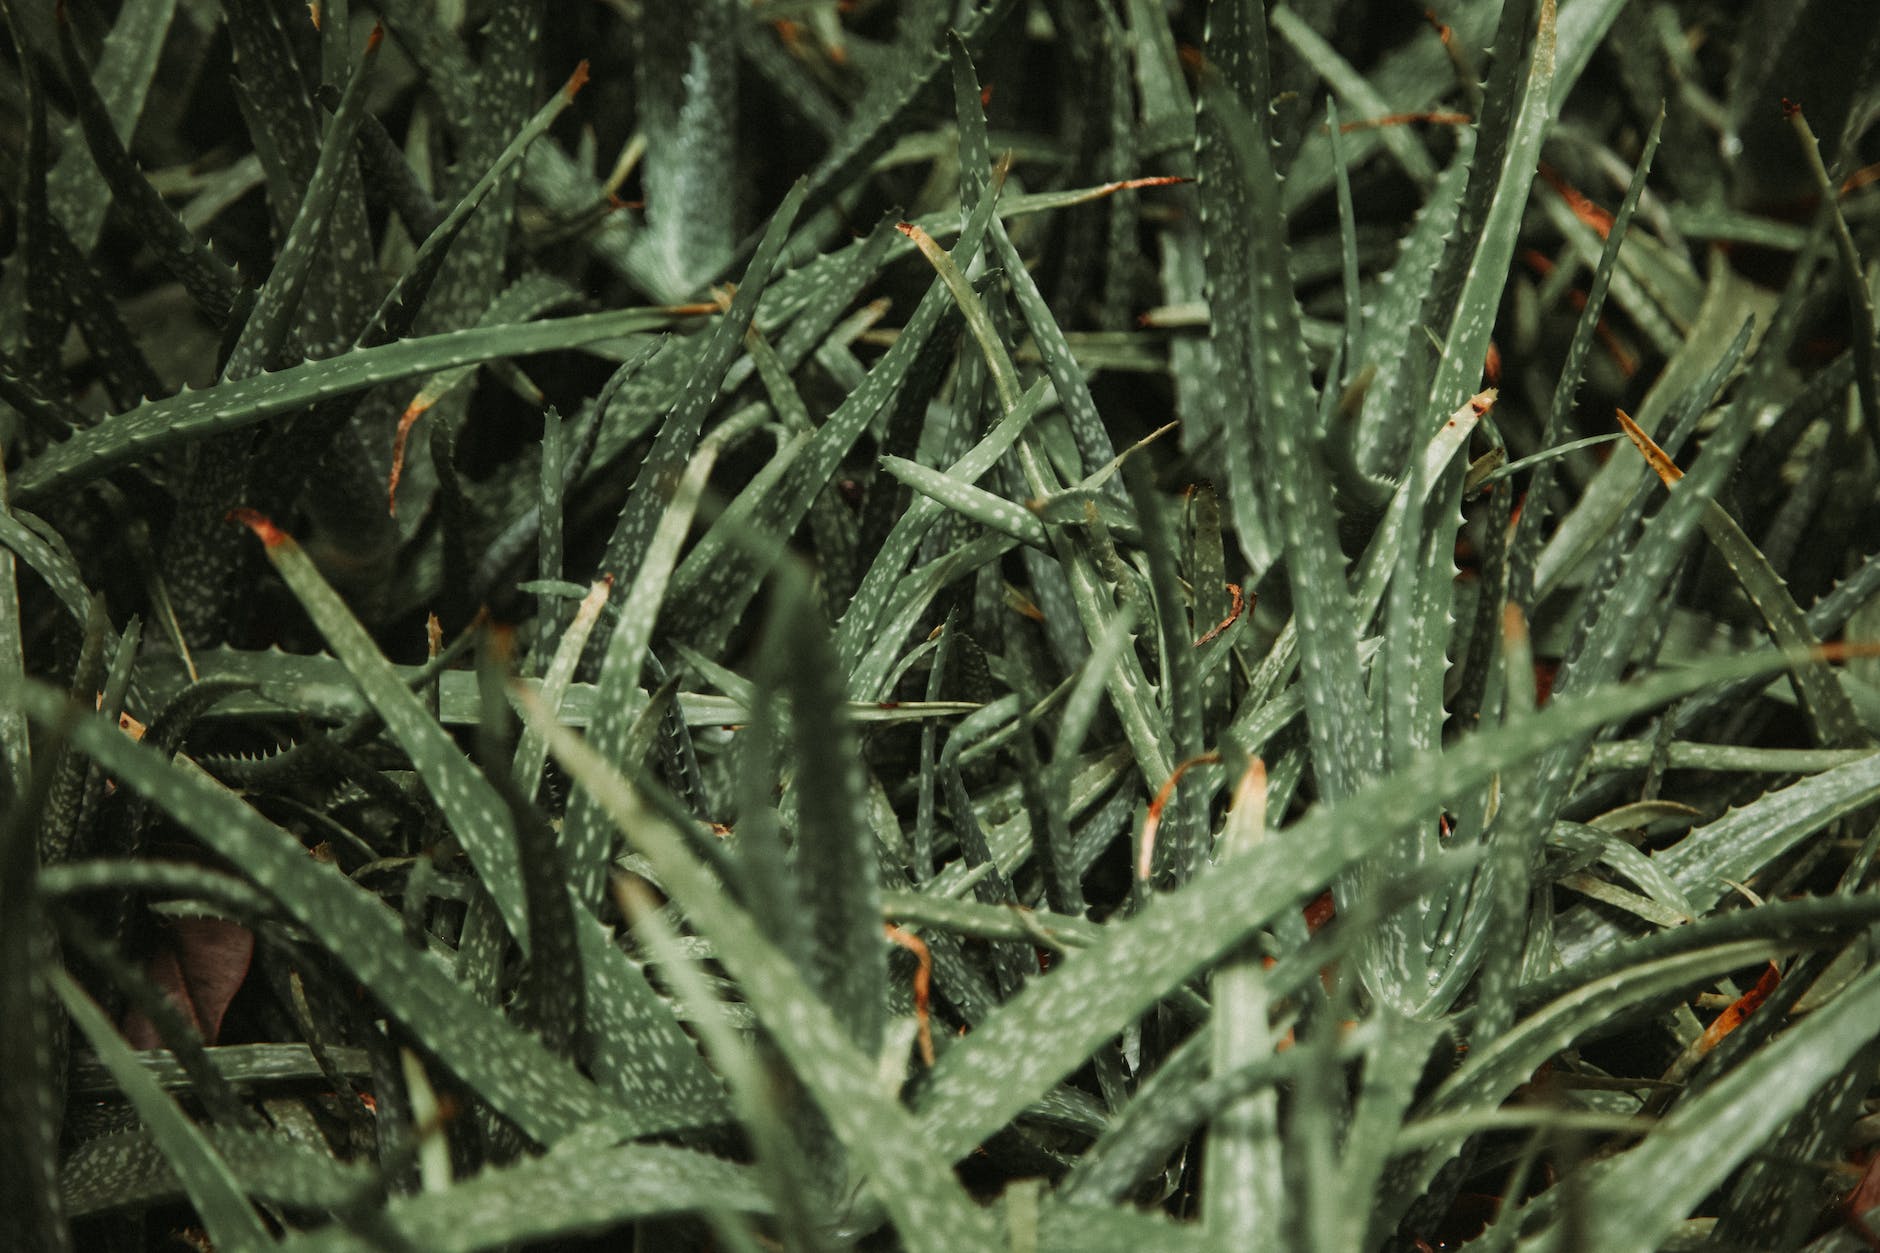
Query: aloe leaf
x=212, y=1186
x=930, y=1208
x=543, y=1095
x=568, y=1193
x=400, y=307
x=1729, y=303
x=440, y=54
x=835, y=843
x=973, y=503
x=1181, y=849
x=1299, y=503
x=1225, y=194
x=193, y=415
x=720, y=579
x=266, y=329
x=687, y=100
x=1495, y=1070
x=1054, y=1024
x=585, y=837
x=32, y=1044
x=1401, y=965
x=46, y=555
x=501, y=92
x=74, y=188
x=321, y=687
x=471, y=804
x=61, y=284
x=130, y=1168
x=1404, y=298
x=1356, y=94
x=1067, y=379
x=869, y=676
x=283, y=123
x=1393, y=1064
x=210, y=282
x=162, y=877
x=20, y=388
x=1636, y=1201
x=680, y=431
x=1065, y=1228
x=1244, y=1180
x=531, y=752
x=1524, y=547
x=1182, y=1093
x=859, y=626
x=1860, y=299
x=1740, y=844
x=1128, y=688
x=758, y=1103
x=1479, y=296
x=878, y=118
x=1835, y=723
x=15, y=757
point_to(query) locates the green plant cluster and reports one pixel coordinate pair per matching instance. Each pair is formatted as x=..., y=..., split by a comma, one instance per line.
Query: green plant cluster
x=1038, y=624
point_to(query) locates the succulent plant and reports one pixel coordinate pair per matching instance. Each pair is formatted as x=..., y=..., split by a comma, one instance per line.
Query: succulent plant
x=812, y=624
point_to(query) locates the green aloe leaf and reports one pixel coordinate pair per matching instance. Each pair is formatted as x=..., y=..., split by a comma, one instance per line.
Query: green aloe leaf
x=543, y=1095
x=131, y=1168
x=192, y=415
x=210, y=281
x=835, y=842
x=680, y=431
x=397, y=311
x=1641, y=1194
x=212, y=1185
x=1479, y=296
x=1823, y=699
x=1296, y=489
x=567, y=1193
x=973, y=503
x=1740, y=844
x=585, y=835
x=1050, y=1028
x=266, y=328
x=913, y=1181
x=470, y=803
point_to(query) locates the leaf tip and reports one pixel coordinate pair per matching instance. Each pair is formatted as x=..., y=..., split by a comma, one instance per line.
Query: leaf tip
x=576, y=81
x=1659, y=460
x=265, y=530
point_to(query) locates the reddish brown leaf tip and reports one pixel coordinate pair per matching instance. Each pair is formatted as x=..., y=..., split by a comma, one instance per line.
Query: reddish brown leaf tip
x=577, y=80
x=375, y=38
x=258, y=522
x=313, y=12
x=415, y=410
x=906, y=228
x=1790, y=107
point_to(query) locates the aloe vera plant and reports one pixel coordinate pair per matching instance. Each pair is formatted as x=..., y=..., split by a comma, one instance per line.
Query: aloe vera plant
x=1020, y=624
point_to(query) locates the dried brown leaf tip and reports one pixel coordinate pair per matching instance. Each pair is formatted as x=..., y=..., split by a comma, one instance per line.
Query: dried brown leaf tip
x=258, y=522
x=576, y=81
x=1659, y=460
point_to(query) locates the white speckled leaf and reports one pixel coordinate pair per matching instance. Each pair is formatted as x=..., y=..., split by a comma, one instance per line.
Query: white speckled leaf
x=191, y=415
x=538, y=1091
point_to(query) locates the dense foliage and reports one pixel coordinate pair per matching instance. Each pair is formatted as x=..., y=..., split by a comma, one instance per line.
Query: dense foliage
x=956, y=624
